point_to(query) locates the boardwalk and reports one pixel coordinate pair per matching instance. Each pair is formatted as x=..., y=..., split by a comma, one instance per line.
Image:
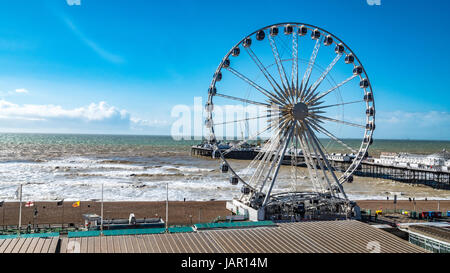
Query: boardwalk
x=304, y=237
x=29, y=245
x=347, y=236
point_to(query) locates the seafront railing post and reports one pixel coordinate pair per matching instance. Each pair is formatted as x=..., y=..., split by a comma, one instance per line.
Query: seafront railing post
x=20, y=209
x=101, y=219
x=62, y=216
x=3, y=214
x=167, y=206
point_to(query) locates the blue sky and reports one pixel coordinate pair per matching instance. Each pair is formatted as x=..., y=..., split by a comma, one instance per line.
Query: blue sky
x=121, y=66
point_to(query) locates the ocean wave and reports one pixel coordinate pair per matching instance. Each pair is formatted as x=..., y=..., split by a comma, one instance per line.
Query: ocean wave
x=112, y=161
x=145, y=179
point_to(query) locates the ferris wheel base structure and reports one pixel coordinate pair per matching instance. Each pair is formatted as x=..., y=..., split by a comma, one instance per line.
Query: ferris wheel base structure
x=299, y=206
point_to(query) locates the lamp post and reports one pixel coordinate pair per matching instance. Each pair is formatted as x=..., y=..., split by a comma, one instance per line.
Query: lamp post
x=20, y=207
x=167, y=206
x=101, y=220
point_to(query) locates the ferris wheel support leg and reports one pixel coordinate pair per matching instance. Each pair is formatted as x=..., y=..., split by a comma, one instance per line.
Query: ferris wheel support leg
x=278, y=167
x=328, y=165
x=320, y=164
x=274, y=158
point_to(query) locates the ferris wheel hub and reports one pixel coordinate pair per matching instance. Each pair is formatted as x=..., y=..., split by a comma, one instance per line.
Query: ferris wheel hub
x=300, y=111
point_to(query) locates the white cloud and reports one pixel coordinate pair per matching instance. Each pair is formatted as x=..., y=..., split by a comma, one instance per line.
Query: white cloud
x=413, y=125
x=93, y=112
x=432, y=125
x=95, y=117
x=144, y=122
x=422, y=119
x=22, y=90
x=13, y=92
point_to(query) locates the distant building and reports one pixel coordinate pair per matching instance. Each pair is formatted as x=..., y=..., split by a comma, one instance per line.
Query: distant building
x=341, y=157
x=437, y=161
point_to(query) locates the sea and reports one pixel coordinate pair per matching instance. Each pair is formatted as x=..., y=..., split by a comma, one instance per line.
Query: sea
x=142, y=168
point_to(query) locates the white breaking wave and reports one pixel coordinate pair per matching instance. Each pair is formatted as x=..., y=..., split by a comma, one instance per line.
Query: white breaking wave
x=80, y=178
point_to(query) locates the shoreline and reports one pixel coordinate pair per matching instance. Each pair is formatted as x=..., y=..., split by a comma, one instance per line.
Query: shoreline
x=375, y=199
x=180, y=212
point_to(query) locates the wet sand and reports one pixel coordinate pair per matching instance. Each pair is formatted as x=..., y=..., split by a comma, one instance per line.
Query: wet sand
x=180, y=213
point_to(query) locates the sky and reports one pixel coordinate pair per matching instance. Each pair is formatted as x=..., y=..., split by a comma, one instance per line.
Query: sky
x=119, y=67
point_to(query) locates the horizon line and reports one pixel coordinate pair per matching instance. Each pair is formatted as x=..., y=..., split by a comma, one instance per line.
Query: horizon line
x=163, y=135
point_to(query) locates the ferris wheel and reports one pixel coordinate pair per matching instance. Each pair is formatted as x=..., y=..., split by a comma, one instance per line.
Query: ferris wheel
x=312, y=95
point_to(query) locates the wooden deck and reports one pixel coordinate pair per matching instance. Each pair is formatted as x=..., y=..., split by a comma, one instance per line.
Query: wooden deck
x=29, y=245
x=304, y=237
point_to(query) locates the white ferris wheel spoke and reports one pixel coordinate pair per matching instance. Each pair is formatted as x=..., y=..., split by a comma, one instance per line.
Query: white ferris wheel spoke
x=253, y=84
x=330, y=135
x=242, y=100
x=276, y=88
x=317, y=96
x=311, y=63
x=324, y=181
x=308, y=156
x=341, y=121
x=276, y=55
x=241, y=120
x=319, y=158
x=308, y=164
x=322, y=146
x=260, y=157
x=269, y=150
x=266, y=129
x=312, y=168
x=316, y=84
x=327, y=163
x=280, y=160
x=294, y=76
x=334, y=105
x=272, y=159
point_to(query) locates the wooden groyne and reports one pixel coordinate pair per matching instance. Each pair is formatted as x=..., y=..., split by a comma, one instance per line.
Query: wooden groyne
x=430, y=177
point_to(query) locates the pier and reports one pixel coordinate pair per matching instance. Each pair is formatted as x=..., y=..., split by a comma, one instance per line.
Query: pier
x=439, y=179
